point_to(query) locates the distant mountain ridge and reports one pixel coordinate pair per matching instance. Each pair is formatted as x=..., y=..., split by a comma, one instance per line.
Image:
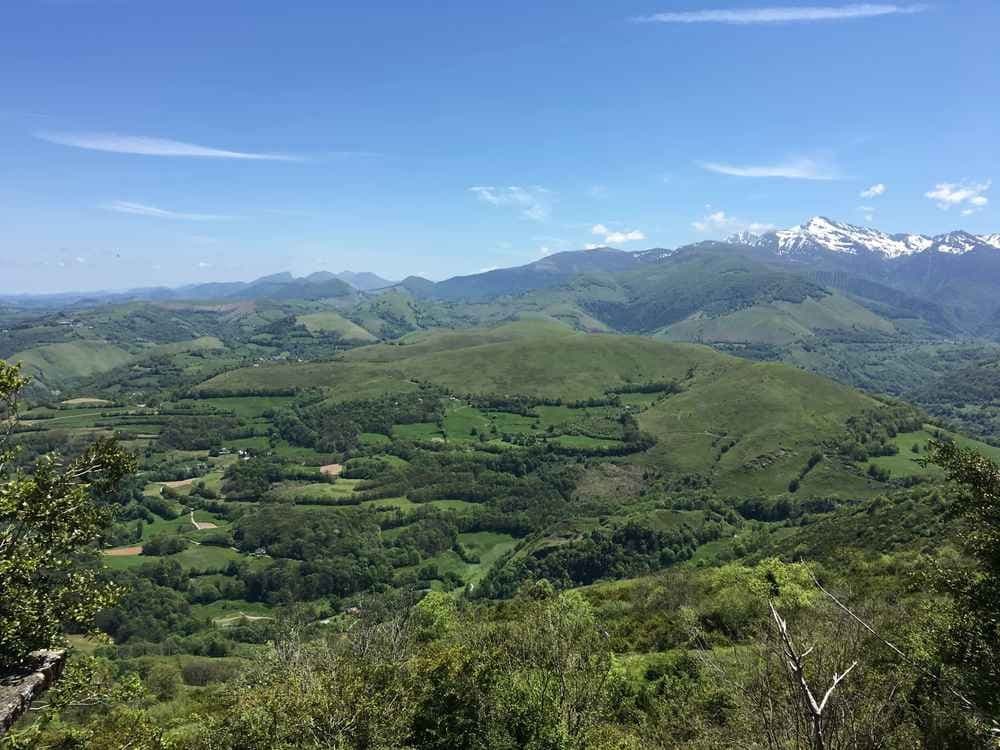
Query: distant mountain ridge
x=550, y=271
x=956, y=275
x=363, y=280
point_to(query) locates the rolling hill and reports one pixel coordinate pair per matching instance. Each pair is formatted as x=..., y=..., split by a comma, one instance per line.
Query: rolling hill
x=745, y=426
x=57, y=364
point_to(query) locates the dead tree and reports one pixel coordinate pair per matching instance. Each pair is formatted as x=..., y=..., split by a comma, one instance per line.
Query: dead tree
x=794, y=661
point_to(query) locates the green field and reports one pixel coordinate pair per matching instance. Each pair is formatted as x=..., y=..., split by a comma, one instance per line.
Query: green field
x=331, y=322
x=248, y=407
x=488, y=546
x=905, y=463
x=342, y=489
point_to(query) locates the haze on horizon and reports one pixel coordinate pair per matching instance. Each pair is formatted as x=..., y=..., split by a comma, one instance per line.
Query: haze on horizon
x=179, y=144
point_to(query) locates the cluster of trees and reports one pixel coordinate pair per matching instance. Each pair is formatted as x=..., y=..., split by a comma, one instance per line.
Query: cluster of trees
x=543, y=671
x=632, y=549
x=666, y=387
x=251, y=478
x=199, y=433
x=871, y=433
x=49, y=520
x=337, y=427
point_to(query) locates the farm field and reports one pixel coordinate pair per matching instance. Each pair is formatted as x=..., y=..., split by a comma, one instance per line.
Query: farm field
x=905, y=462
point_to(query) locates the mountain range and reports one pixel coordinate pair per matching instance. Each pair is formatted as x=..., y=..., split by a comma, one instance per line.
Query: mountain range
x=948, y=284
x=820, y=234
x=886, y=312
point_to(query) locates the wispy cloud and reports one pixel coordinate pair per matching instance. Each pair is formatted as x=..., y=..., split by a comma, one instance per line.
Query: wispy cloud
x=968, y=195
x=720, y=223
x=137, y=144
x=783, y=14
x=531, y=202
x=794, y=169
x=141, y=209
x=612, y=237
x=874, y=191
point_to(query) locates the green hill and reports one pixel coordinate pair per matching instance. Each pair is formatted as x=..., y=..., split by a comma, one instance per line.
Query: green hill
x=779, y=322
x=56, y=364
x=331, y=322
x=743, y=426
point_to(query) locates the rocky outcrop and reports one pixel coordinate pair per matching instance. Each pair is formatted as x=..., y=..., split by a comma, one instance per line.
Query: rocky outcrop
x=20, y=687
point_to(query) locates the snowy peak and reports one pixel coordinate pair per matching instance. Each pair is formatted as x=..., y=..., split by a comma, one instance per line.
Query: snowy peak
x=654, y=254
x=820, y=234
x=956, y=243
x=744, y=238
x=993, y=240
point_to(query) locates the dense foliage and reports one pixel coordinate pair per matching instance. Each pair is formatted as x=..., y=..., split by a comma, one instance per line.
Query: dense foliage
x=49, y=522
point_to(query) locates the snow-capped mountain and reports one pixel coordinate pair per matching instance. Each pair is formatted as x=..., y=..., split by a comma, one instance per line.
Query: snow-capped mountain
x=957, y=243
x=993, y=240
x=822, y=234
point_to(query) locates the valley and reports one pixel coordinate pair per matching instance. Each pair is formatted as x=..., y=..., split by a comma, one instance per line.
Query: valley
x=602, y=421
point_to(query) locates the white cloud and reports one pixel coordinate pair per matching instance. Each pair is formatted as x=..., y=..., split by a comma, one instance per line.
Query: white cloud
x=874, y=191
x=966, y=194
x=795, y=169
x=614, y=237
x=141, y=209
x=532, y=202
x=137, y=144
x=204, y=264
x=720, y=223
x=782, y=14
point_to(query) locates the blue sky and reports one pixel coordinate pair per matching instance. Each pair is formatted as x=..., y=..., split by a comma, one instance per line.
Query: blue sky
x=151, y=143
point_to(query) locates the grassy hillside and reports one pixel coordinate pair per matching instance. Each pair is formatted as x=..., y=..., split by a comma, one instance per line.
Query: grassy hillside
x=709, y=279
x=334, y=323
x=58, y=363
x=533, y=358
x=752, y=427
x=779, y=322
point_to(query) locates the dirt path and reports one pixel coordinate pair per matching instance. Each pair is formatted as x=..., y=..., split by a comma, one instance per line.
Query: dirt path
x=332, y=470
x=230, y=619
x=179, y=482
x=199, y=525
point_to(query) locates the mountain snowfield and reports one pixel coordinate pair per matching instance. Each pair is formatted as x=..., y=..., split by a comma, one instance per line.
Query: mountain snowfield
x=820, y=233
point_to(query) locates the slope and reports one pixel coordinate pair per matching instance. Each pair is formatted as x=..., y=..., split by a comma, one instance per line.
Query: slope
x=779, y=322
x=57, y=364
x=742, y=426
